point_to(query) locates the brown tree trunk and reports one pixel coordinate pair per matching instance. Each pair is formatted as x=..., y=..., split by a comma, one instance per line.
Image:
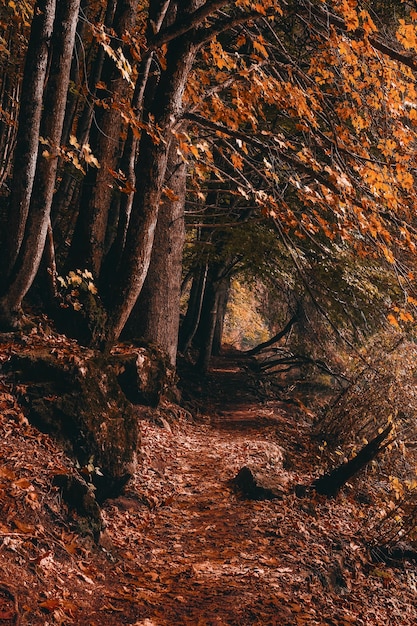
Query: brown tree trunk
x=27, y=140
x=164, y=112
x=127, y=166
x=88, y=242
x=195, y=303
x=208, y=335
x=64, y=213
x=208, y=326
x=37, y=222
x=155, y=317
x=224, y=289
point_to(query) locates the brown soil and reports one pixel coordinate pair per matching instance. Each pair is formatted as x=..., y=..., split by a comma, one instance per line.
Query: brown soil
x=181, y=546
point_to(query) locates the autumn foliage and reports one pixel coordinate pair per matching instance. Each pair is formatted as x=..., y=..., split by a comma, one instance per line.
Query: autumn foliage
x=295, y=128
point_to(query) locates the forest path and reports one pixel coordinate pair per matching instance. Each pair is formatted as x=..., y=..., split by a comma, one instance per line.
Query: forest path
x=197, y=553
x=181, y=546
x=210, y=554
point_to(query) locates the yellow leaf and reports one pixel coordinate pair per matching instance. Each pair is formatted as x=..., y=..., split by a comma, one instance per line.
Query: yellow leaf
x=73, y=141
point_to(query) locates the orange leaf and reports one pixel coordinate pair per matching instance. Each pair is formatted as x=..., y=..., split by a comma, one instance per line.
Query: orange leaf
x=405, y=316
x=50, y=605
x=24, y=528
x=393, y=320
x=22, y=483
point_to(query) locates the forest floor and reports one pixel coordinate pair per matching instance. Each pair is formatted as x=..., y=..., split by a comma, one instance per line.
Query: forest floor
x=181, y=546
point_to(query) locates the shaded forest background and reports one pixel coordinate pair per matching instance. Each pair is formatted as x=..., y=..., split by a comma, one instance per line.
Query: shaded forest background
x=152, y=153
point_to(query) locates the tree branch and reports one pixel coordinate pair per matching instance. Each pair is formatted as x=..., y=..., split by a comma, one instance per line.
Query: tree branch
x=329, y=484
x=406, y=58
x=276, y=337
x=193, y=21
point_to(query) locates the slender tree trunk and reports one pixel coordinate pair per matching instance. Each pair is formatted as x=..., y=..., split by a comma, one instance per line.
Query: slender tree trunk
x=209, y=333
x=73, y=96
x=195, y=303
x=41, y=198
x=11, y=90
x=84, y=124
x=223, y=291
x=27, y=140
x=88, y=244
x=127, y=166
x=68, y=192
x=208, y=326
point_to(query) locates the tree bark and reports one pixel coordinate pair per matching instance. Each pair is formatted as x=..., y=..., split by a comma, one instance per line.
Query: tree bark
x=213, y=311
x=127, y=166
x=68, y=191
x=37, y=222
x=224, y=289
x=155, y=316
x=164, y=115
x=208, y=326
x=88, y=243
x=195, y=303
x=27, y=140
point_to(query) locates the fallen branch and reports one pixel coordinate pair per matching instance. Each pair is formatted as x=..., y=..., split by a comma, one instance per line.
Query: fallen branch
x=329, y=484
x=297, y=360
x=275, y=338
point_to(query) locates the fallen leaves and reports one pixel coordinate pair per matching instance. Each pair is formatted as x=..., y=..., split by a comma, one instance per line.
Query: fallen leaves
x=180, y=547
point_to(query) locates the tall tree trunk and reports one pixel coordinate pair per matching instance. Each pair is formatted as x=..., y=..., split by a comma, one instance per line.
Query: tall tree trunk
x=164, y=113
x=210, y=329
x=27, y=140
x=88, y=242
x=207, y=326
x=37, y=222
x=157, y=310
x=195, y=302
x=73, y=96
x=223, y=289
x=127, y=166
x=94, y=77
x=68, y=192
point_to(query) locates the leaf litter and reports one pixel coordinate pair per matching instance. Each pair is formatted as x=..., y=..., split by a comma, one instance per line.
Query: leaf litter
x=180, y=546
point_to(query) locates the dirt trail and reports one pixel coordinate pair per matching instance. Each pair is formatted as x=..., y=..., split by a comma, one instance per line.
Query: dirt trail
x=180, y=546
x=211, y=557
x=209, y=553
